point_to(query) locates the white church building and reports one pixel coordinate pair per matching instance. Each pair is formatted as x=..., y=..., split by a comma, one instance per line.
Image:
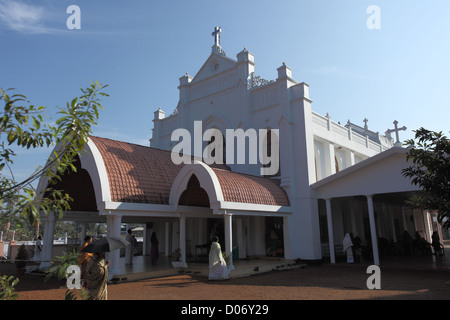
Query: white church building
x=331, y=179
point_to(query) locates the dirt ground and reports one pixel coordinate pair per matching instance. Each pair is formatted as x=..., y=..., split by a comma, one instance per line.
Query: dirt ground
x=323, y=282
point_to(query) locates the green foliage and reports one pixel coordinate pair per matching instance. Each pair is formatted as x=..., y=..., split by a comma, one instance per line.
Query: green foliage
x=58, y=269
x=60, y=264
x=7, y=289
x=430, y=156
x=23, y=125
x=72, y=294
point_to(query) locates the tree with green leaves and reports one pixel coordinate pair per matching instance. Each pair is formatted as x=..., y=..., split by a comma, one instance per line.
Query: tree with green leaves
x=25, y=126
x=7, y=287
x=430, y=170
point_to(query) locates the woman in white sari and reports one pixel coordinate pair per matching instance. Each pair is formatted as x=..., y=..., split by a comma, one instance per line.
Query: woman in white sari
x=347, y=246
x=218, y=269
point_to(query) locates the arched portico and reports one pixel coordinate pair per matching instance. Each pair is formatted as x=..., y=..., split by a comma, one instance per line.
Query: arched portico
x=208, y=181
x=117, y=182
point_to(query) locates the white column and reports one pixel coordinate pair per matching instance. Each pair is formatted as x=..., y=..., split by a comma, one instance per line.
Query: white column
x=47, y=250
x=229, y=239
x=330, y=231
x=286, y=238
x=114, y=222
x=166, y=236
x=349, y=158
x=183, y=240
x=144, y=240
x=330, y=162
x=373, y=231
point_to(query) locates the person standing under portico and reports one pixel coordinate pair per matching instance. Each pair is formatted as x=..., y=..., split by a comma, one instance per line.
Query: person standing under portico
x=129, y=248
x=347, y=247
x=218, y=269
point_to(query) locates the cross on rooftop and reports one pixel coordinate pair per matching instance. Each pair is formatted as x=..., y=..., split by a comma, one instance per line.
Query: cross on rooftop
x=365, y=123
x=396, y=130
x=216, y=35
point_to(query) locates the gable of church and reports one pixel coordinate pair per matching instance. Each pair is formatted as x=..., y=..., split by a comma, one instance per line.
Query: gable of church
x=213, y=66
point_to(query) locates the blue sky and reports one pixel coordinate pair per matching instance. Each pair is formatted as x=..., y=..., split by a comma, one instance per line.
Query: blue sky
x=140, y=48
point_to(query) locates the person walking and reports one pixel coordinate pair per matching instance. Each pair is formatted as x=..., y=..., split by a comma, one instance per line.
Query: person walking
x=129, y=248
x=218, y=269
x=96, y=277
x=436, y=243
x=347, y=247
x=84, y=257
x=154, y=251
x=37, y=250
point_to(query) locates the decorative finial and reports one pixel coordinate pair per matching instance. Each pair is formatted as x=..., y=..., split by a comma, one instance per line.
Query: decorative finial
x=366, y=127
x=216, y=48
x=396, y=130
x=216, y=35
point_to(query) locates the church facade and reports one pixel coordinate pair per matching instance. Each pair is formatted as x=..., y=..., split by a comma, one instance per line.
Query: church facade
x=227, y=94
x=330, y=179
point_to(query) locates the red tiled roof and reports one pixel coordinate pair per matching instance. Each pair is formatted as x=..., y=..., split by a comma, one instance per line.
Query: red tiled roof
x=142, y=174
x=238, y=187
x=137, y=173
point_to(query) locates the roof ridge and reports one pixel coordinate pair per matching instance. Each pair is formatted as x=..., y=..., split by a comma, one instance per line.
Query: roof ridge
x=131, y=143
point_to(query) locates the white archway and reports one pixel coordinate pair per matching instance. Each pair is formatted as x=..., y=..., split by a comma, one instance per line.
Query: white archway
x=208, y=181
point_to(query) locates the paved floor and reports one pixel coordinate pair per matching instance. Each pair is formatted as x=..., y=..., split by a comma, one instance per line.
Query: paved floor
x=317, y=282
x=402, y=278
x=143, y=269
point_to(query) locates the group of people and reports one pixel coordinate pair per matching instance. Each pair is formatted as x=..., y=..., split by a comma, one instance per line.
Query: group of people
x=352, y=245
x=94, y=268
x=131, y=248
x=422, y=245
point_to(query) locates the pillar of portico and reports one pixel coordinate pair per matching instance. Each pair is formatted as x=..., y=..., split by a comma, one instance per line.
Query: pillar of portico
x=373, y=230
x=330, y=230
x=49, y=233
x=113, y=224
x=229, y=239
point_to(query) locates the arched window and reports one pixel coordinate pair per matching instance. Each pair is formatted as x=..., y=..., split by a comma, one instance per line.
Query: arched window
x=194, y=195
